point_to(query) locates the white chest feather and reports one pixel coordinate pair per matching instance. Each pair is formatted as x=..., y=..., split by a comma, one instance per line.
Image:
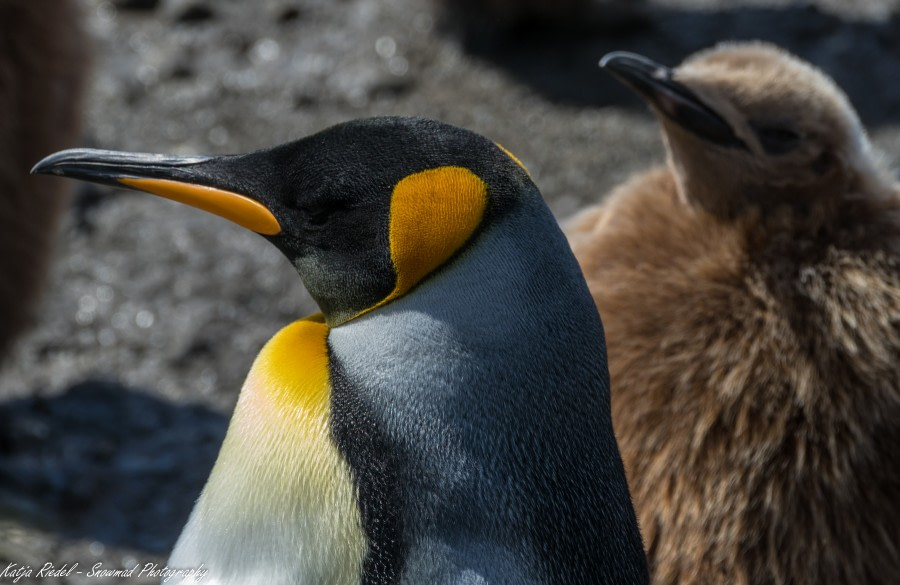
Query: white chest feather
x=279, y=506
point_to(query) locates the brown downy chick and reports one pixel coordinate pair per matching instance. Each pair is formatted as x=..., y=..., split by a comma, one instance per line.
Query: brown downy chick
x=43, y=71
x=750, y=292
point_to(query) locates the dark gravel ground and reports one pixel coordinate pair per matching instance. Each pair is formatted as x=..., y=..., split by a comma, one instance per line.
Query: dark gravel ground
x=113, y=407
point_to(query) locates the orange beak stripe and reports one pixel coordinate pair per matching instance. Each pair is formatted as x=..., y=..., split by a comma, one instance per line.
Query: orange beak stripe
x=240, y=209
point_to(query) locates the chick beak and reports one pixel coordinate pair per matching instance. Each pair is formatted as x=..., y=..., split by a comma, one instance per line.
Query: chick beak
x=674, y=100
x=198, y=181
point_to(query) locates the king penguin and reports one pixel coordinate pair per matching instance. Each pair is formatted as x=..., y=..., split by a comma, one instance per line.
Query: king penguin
x=750, y=290
x=445, y=418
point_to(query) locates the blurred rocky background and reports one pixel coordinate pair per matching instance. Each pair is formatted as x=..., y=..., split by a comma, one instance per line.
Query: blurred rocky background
x=113, y=406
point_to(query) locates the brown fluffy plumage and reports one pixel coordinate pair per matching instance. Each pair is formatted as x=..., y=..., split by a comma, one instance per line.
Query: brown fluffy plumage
x=752, y=310
x=43, y=65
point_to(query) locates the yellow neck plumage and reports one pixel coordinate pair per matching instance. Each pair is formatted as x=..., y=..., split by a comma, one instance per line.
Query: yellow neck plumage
x=280, y=489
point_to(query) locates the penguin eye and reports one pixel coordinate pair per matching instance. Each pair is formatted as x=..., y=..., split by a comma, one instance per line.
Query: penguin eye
x=776, y=140
x=319, y=214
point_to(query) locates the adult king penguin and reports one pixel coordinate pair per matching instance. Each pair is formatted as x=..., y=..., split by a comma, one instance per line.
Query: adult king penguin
x=445, y=419
x=751, y=296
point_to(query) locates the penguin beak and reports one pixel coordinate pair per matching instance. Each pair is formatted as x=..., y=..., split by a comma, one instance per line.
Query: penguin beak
x=656, y=84
x=197, y=181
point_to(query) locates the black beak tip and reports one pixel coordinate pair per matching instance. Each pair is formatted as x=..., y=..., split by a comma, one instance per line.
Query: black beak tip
x=609, y=60
x=627, y=65
x=47, y=165
x=55, y=164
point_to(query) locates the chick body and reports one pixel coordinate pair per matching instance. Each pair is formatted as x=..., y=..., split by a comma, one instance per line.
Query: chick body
x=750, y=291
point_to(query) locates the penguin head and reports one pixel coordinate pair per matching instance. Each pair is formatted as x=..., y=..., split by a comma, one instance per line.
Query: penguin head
x=364, y=210
x=747, y=124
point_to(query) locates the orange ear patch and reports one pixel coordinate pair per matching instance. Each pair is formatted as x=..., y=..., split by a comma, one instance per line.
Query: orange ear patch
x=433, y=213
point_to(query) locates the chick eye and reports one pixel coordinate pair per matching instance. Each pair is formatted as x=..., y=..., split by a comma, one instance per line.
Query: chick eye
x=776, y=140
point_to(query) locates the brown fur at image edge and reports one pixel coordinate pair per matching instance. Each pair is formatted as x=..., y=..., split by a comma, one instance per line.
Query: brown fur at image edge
x=44, y=56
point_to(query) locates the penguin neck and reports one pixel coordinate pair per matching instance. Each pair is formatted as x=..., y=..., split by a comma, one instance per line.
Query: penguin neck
x=459, y=405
